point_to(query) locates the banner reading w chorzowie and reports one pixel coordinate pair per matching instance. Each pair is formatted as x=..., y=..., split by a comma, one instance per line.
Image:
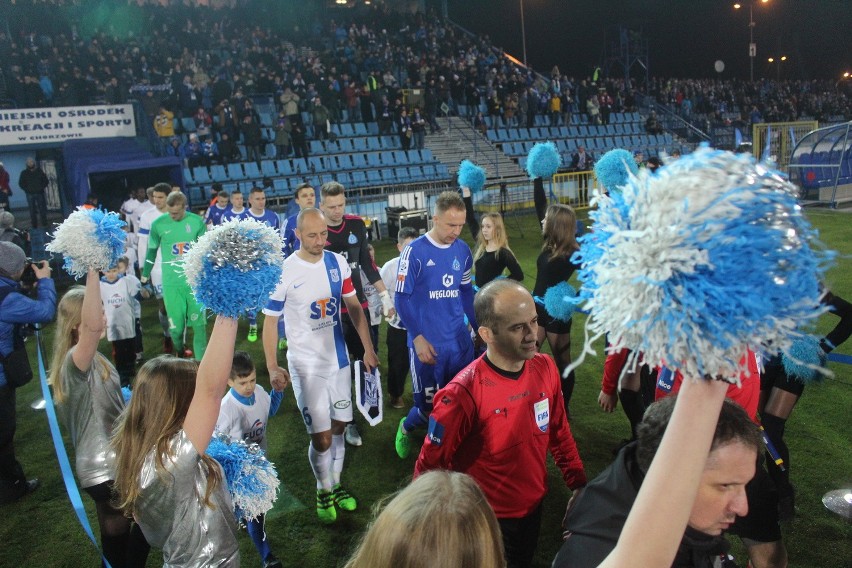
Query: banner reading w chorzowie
x=40, y=125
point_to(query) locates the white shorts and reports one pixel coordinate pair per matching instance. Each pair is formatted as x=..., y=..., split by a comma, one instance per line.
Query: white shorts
x=323, y=397
x=157, y=280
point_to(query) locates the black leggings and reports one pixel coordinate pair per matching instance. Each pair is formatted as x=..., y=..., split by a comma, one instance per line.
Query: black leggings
x=123, y=543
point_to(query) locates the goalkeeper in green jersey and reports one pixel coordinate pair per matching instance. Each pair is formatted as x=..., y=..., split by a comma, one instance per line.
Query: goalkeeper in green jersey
x=172, y=235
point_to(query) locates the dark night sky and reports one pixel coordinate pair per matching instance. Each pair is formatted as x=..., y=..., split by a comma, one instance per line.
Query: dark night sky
x=685, y=36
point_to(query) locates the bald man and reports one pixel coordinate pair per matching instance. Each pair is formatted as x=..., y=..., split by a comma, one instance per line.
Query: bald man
x=497, y=419
x=314, y=286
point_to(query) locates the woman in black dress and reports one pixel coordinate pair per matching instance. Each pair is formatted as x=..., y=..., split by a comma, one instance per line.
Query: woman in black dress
x=493, y=255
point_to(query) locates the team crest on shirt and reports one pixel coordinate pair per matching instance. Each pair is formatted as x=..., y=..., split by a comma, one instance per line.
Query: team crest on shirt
x=353, y=240
x=456, y=264
x=448, y=280
x=541, y=409
x=334, y=274
x=188, y=228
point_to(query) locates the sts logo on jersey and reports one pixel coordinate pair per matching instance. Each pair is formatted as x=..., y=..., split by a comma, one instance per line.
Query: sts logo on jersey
x=178, y=249
x=324, y=308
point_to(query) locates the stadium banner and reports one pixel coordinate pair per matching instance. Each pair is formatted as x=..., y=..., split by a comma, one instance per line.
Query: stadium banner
x=22, y=126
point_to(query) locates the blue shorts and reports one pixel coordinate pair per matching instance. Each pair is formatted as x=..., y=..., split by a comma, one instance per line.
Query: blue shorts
x=426, y=380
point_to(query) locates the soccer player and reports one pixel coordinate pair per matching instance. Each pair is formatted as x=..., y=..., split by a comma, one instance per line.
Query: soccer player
x=172, y=235
x=259, y=212
x=433, y=294
x=215, y=212
x=314, y=286
x=305, y=197
x=498, y=418
x=236, y=210
x=347, y=236
x=157, y=197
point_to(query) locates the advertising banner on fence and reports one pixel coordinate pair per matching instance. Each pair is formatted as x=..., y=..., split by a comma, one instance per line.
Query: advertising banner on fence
x=44, y=125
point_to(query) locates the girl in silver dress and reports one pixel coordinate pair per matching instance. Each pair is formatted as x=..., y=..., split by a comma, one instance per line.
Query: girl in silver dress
x=176, y=493
x=88, y=399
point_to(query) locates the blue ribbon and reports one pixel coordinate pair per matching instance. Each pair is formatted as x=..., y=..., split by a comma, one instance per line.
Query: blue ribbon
x=62, y=455
x=840, y=358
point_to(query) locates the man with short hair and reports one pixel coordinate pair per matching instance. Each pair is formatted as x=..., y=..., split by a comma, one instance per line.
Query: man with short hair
x=305, y=197
x=258, y=211
x=235, y=210
x=172, y=235
x=314, y=286
x=497, y=419
x=215, y=213
x=434, y=293
x=594, y=522
x=33, y=181
x=347, y=236
x=157, y=198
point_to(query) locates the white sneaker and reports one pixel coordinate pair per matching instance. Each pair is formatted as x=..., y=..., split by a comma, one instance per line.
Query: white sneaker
x=352, y=436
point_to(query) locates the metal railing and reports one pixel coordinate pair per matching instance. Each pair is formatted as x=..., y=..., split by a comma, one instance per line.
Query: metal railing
x=483, y=152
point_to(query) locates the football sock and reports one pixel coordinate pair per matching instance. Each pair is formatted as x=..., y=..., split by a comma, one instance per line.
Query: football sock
x=320, y=464
x=257, y=533
x=338, y=452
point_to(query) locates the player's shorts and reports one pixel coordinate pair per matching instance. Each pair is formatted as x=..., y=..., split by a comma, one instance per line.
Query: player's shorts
x=551, y=324
x=426, y=380
x=774, y=376
x=323, y=397
x=181, y=307
x=157, y=280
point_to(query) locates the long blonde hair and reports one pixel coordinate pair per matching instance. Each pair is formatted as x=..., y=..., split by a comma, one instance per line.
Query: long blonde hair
x=499, y=236
x=560, y=231
x=69, y=316
x=161, y=395
x=454, y=524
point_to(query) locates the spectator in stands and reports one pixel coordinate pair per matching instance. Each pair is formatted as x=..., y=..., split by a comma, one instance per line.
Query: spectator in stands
x=9, y=233
x=192, y=152
x=210, y=151
x=229, y=152
x=164, y=123
x=290, y=105
x=5, y=187
x=652, y=124
x=510, y=109
x=33, y=181
x=418, y=128
x=227, y=119
x=252, y=138
x=320, y=116
x=405, y=131
x=479, y=123
x=554, y=108
x=593, y=110
x=283, y=128
x=653, y=164
x=299, y=140
x=203, y=121
x=495, y=108
x=385, y=118
x=174, y=148
x=114, y=92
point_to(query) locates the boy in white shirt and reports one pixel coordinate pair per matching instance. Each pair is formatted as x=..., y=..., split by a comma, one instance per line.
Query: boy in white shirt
x=244, y=415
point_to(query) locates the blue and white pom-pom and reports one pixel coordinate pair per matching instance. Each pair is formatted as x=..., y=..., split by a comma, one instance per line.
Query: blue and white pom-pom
x=805, y=360
x=251, y=478
x=693, y=266
x=543, y=160
x=560, y=301
x=235, y=267
x=89, y=239
x=614, y=169
x=471, y=176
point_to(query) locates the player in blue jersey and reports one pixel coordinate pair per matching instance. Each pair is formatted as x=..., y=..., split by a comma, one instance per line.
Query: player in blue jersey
x=215, y=213
x=433, y=294
x=305, y=197
x=258, y=211
x=235, y=210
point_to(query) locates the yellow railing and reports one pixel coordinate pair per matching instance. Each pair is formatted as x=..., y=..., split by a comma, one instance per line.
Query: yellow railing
x=782, y=138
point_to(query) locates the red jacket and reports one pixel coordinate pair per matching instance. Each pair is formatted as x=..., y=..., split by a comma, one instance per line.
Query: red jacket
x=498, y=430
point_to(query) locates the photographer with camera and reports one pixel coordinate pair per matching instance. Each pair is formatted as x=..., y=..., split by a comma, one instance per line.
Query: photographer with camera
x=17, y=310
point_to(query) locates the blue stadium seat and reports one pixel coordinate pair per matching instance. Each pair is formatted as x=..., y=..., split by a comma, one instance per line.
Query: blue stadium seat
x=389, y=142
x=217, y=173
x=252, y=171
x=235, y=171
x=188, y=124
x=267, y=167
x=373, y=177
x=300, y=166
x=284, y=167
x=400, y=175
x=316, y=147
x=387, y=158
x=359, y=161
x=316, y=164
x=345, y=145
x=359, y=179
x=346, y=129
x=374, y=160
x=373, y=128
x=344, y=162
x=359, y=144
x=345, y=179
x=360, y=129
x=373, y=144
x=401, y=157
x=280, y=185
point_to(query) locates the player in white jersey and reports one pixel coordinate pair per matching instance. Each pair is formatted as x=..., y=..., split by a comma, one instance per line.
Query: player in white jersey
x=159, y=194
x=314, y=285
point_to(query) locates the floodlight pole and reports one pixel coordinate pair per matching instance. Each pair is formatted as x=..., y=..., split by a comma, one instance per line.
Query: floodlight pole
x=752, y=49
